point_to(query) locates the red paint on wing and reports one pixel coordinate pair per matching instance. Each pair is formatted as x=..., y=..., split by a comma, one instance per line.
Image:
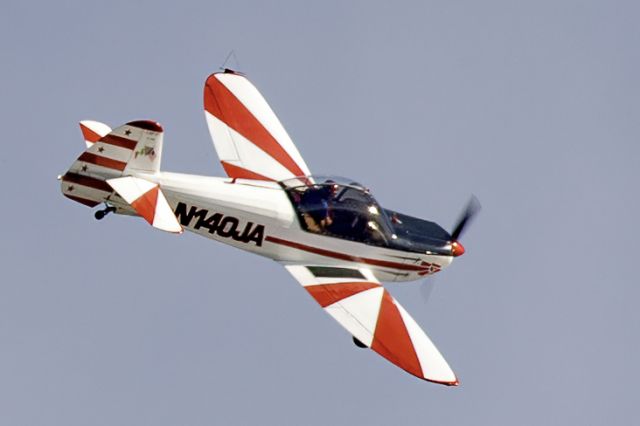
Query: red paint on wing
x=391, y=338
x=145, y=205
x=328, y=294
x=237, y=172
x=224, y=105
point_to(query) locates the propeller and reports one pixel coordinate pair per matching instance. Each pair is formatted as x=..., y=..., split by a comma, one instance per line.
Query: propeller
x=426, y=288
x=472, y=208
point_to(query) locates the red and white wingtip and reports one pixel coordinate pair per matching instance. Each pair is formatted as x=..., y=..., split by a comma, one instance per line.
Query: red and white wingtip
x=92, y=131
x=367, y=310
x=148, y=201
x=430, y=365
x=399, y=339
x=249, y=139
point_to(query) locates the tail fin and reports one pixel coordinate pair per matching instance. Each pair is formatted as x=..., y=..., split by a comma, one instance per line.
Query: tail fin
x=136, y=146
x=148, y=151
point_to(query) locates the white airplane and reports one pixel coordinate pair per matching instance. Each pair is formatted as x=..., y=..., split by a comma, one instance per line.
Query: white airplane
x=328, y=232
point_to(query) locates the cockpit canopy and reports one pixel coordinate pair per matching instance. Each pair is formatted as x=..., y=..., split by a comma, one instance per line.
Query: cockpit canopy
x=342, y=208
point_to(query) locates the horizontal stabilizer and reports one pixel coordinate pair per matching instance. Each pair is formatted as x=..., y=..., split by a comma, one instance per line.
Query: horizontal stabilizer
x=148, y=201
x=92, y=131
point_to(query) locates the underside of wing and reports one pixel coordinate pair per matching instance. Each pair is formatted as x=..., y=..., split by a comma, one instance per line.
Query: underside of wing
x=355, y=299
x=249, y=139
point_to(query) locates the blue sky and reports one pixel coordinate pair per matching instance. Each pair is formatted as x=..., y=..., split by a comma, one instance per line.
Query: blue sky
x=531, y=106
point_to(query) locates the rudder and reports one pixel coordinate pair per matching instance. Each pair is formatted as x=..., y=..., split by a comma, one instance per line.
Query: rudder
x=148, y=151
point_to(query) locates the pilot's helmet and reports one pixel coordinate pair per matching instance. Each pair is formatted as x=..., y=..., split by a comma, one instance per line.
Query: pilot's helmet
x=331, y=187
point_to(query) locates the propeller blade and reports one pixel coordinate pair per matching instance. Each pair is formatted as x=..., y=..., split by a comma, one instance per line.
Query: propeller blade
x=472, y=208
x=426, y=288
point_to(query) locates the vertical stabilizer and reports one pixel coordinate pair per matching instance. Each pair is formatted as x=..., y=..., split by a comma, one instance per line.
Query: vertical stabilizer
x=148, y=151
x=134, y=147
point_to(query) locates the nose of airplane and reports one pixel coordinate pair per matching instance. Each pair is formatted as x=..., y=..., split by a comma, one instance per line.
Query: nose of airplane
x=457, y=249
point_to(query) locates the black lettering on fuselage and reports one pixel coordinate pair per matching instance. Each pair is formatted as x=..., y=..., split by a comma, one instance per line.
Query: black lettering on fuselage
x=183, y=216
x=211, y=222
x=224, y=226
x=227, y=231
x=257, y=235
x=244, y=236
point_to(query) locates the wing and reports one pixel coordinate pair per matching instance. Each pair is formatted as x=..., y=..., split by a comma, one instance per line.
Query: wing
x=247, y=135
x=355, y=299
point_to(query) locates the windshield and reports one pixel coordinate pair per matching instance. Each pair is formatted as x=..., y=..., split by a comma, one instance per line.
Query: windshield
x=341, y=208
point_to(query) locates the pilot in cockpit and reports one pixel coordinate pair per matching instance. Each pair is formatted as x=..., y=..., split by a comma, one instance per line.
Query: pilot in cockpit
x=316, y=205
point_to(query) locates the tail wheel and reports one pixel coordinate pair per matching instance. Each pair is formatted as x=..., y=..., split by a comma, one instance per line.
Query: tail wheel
x=100, y=214
x=359, y=344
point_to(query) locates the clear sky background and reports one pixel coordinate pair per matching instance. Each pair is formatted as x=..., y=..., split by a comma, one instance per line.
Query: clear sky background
x=532, y=106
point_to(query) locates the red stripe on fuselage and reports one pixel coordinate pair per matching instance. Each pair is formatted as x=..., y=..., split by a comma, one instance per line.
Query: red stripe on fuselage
x=344, y=256
x=220, y=102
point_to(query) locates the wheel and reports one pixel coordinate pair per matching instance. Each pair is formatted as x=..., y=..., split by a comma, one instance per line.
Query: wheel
x=358, y=343
x=99, y=214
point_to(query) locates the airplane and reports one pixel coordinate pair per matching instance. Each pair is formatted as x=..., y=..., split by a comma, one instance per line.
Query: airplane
x=329, y=232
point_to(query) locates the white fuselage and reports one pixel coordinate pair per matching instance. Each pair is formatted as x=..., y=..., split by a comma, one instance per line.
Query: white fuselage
x=257, y=216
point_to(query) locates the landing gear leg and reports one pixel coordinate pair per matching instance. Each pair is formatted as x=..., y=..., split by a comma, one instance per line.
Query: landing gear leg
x=100, y=214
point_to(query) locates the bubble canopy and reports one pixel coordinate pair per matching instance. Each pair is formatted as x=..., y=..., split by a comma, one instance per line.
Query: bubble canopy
x=343, y=208
x=321, y=180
